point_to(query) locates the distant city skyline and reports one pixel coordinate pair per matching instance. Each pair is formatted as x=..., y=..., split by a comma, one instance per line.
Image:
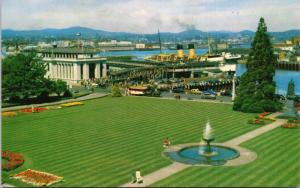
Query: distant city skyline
x=141, y=16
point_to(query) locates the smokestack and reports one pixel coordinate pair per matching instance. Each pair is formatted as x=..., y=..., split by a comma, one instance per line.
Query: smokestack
x=180, y=52
x=191, y=51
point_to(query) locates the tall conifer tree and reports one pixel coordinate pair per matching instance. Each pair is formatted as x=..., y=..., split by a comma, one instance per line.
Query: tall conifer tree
x=291, y=89
x=256, y=92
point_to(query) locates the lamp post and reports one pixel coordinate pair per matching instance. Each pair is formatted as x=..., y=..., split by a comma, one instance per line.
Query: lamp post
x=233, y=87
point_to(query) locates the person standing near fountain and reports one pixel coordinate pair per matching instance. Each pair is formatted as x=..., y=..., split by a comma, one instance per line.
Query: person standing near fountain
x=166, y=142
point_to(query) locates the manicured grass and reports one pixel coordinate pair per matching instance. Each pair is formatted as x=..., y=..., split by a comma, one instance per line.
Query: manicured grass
x=277, y=165
x=101, y=142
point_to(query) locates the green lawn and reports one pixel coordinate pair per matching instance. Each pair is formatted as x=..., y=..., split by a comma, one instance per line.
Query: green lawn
x=101, y=142
x=277, y=165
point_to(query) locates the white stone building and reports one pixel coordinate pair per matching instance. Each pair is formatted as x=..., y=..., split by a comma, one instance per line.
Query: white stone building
x=73, y=64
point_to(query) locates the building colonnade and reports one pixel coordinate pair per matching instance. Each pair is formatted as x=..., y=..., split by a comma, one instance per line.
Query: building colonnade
x=74, y=72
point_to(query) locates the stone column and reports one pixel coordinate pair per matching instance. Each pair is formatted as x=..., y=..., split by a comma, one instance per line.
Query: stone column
x=86, y=73
x=50, y=72
x=104, y=70
x=72, y=72
x=97, y=70
x=54, y=71
x=67, y=70
x=77, y=72
x=62, y=72
x=59, y=70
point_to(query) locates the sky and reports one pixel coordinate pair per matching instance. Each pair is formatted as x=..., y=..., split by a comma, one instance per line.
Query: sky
x=146, y=16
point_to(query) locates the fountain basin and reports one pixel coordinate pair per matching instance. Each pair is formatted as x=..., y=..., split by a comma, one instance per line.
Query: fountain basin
x=197, y=154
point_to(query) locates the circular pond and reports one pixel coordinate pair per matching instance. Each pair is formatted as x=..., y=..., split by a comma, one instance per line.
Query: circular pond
x=197, y=155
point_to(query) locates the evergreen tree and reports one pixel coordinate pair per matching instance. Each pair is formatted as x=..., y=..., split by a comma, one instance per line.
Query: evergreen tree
x=256, y=92
x=291, y=88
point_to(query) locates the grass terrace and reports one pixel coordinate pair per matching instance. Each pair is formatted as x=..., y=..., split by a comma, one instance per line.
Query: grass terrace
x=101, y=142
x=277, y=165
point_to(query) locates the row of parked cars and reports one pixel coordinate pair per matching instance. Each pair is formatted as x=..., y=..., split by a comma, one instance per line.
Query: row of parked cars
x=209, y=94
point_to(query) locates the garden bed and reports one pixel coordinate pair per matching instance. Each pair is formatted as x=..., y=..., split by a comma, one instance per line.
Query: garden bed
x=14, y=160
x=35, y=109
x=9, y=114
x=290, y=126
x=37, y=178
x=72, y=104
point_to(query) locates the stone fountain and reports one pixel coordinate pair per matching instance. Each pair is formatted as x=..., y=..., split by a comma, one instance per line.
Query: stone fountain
x=203, y=153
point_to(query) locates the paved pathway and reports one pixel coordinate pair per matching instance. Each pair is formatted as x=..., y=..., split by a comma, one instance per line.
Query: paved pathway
x=177, y=167
x=159, y=175
x=257, y=132
x=7, y=185
x=87, y=97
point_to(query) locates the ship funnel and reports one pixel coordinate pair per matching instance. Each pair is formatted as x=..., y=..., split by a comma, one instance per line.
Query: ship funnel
x=191, y=51
x=180, y=52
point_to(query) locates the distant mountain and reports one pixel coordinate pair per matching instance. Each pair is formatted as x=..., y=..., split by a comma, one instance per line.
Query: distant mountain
x=285, y=35
x=165, y=36
x=67, y=32
x=247, y=32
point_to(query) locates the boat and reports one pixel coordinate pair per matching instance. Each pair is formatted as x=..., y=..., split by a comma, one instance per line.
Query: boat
x=137, y=90
x=229, y=56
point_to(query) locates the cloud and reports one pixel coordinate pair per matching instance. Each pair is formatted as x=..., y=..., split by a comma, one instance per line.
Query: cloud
x=144, y=16
x=184, y=25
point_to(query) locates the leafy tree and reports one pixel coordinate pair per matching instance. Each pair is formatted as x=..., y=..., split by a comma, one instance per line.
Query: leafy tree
x=68, y=93
x=291, y=88
x=46, y=90
x=256, y=92
x=115, y=91
x=59, y=87
x=23, y=76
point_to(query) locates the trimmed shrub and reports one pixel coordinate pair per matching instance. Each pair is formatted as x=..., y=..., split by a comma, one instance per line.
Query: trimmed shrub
x=115, y=91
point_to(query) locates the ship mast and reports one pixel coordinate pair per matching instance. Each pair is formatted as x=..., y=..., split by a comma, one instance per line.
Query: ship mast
x=208, y=43
x=159, y=41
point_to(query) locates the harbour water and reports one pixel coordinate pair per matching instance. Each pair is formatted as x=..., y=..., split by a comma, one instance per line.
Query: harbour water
x=282, y=77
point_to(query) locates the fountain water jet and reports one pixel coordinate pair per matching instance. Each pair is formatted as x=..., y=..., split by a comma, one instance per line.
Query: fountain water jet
x=208, y=137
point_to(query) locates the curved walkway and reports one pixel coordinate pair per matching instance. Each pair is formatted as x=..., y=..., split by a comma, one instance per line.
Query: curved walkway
x=248, y=155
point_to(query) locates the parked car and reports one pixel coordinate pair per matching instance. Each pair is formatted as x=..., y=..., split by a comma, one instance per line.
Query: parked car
x=208, y=96
x=209, y=92
x=178, y=90
x=196, y=91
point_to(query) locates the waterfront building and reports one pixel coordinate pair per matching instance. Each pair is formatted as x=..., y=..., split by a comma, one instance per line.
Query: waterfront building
x=284, y=47
x=296, y=40
x=115, y=45
x=222, y=46
x=73, y=64
x=140, y=46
